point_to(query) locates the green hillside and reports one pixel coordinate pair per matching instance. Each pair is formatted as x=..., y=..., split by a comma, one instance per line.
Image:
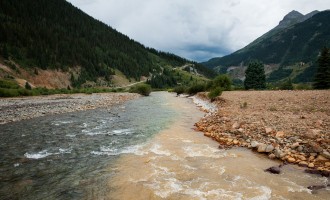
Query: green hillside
x=53, y=34
x=285, y=47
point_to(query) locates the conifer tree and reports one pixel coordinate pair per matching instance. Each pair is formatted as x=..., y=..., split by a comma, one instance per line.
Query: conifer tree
x=255, y=77
x=322, y=76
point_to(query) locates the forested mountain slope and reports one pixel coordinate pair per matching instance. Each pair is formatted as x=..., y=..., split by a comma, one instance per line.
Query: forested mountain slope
x=292, y=45
x=53, y=34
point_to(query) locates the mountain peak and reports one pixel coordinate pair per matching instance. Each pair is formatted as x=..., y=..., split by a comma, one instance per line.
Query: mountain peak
x=291, y=18
x=293, y=14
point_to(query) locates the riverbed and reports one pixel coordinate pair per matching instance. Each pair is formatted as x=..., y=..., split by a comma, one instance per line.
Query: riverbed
x=144, y=149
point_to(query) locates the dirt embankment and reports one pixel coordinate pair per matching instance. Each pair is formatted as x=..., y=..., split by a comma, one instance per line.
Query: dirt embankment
x=16, y=109
x=293, y=126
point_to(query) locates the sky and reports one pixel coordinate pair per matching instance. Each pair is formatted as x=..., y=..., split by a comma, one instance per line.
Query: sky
x=195, y=29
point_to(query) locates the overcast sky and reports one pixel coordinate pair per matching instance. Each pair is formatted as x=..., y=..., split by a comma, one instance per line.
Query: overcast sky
x=195, y=29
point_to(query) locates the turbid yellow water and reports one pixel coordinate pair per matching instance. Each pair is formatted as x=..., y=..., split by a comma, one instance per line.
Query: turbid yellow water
x=180, y=163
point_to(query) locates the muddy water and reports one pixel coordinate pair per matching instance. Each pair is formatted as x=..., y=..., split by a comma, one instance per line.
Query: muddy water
x=180, y=163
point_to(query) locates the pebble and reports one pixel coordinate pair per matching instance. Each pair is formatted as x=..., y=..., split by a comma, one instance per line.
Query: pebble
x=269, y=148
x=311, y=165
x=268, y=130
x=271, y=156
x=236, y=125
x=291, y=160
x=303, y=163
x=326, y=154
x=262, y=148
x=295, y=145
x=280, y=134
x=254, y=144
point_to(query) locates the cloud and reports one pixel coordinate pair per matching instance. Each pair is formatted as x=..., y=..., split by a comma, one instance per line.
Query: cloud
x=195, y=29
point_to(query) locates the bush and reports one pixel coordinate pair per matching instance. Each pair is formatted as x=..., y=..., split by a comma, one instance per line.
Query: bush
x=222, y=81
x=179, y=90
x=9, y=84
x=287, y=85
x=196, y=88
x=214, y=93
x=143, y=89
x=8, y=92
x=302, y=86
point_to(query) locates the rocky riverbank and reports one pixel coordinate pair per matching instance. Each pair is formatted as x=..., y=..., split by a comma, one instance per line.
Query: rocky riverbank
x=292, y=126
x=16, y=109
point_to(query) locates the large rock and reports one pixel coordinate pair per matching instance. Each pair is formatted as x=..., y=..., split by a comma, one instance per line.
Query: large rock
x=254, y=144
x=268, y=130
x=280, y=134
x=316, y=148
x=262, y=148
x=274, y=170
x=311, y=165
x=236, y=125
x=303, y=163
x=207, y=134
x=295, y=145
x=291, y=160
x=271, y=156
x=269, y=148
x=326, y=154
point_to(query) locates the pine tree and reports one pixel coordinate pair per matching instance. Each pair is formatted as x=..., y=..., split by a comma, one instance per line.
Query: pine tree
x=255, y=77
x=322, y=76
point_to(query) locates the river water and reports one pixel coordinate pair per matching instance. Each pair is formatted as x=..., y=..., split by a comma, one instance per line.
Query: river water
x=144, y=149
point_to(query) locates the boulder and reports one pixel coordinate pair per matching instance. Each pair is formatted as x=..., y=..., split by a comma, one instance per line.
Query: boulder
x=311, y=165
x=300, y=148
x=295, y=145
x=254, y=144
x=303, y=163
x=262, y=148
x=278, y=153
x=321, y=158
x=236, y=125
x=291, y=160
x=326, y=154
x=271, y=156
x=207, y=134
x=280, y=134
x=269, y=148
x=273, y=170
x=268, y=130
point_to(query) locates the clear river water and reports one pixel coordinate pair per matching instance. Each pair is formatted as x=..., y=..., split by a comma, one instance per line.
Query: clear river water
x=144, y=149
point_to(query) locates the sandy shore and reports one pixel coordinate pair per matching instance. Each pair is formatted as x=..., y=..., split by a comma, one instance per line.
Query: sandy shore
x=16, y=109
x=293, y=126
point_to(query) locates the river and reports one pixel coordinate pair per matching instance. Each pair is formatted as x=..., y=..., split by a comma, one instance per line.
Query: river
x=144, y=149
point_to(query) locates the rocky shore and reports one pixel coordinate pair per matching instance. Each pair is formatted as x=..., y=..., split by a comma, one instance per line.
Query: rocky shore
x=292, y=126
x=16, y=109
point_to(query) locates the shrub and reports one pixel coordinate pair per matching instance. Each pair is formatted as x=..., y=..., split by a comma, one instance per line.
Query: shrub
x=196, y=88
x=222, y=81
x=179, y=90
x=214, y=93
x=143, y=89
x=287, y=85
x=8, y=92
x=9, y=84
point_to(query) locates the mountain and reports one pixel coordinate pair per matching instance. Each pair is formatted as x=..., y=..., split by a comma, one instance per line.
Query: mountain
x=44, y=39
x=288, y=50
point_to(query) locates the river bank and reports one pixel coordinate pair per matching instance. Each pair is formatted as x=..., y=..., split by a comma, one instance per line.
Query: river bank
x=180, y=163
x=17, y=109
x=292, y=126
